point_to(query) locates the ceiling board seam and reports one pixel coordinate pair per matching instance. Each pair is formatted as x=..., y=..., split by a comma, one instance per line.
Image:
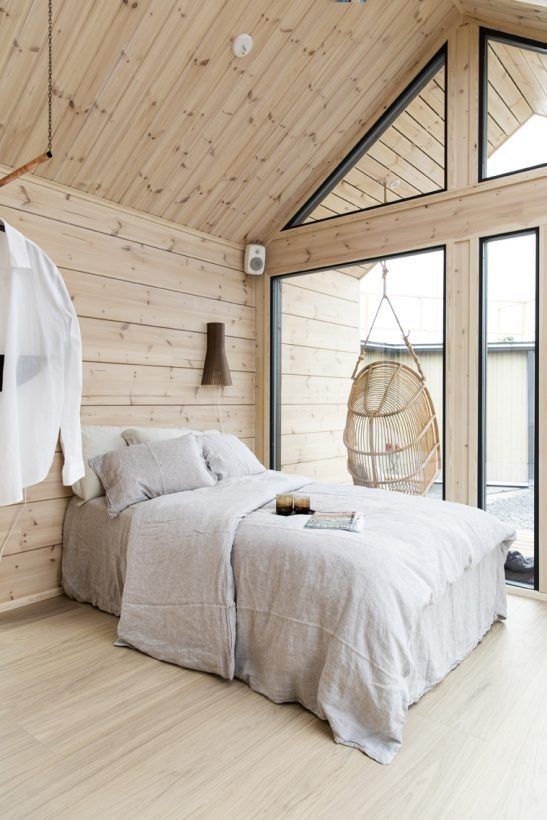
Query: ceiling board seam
x=147, y=171
x=9, y=112
x=331, y=75
x=95, y=92
x=166, y=78
x=65, y=120
x=124, y=92
x=194, y=178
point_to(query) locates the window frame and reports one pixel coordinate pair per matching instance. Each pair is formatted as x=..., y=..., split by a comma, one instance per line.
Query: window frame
x=439, y=60
x=485, y=35
x=483, y=351
x=276, y=341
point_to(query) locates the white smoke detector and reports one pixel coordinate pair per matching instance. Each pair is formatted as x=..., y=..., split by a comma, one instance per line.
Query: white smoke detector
x=242, y=45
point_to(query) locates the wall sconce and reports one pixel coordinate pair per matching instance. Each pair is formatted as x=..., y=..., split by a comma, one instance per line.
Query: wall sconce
x=216, y=369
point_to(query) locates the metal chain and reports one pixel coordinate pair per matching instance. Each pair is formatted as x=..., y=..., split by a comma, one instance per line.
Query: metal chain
x=50, y=77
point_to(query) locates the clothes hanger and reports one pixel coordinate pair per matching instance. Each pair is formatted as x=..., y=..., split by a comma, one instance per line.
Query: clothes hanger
x=24, y=169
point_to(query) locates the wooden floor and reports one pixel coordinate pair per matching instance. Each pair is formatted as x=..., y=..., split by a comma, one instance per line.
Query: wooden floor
x=91, y=731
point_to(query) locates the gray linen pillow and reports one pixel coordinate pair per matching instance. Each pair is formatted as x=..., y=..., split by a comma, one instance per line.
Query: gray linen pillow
x=149, y=470
x=228, y=457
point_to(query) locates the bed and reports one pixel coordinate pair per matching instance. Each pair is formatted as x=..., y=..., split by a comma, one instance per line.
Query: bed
x=354, y=626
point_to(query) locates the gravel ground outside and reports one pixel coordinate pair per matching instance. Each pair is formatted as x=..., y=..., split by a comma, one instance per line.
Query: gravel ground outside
x=515, y=507
x=511, y=505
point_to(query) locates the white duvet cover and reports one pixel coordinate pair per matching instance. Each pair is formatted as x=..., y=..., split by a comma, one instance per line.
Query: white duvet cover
x=216, y=581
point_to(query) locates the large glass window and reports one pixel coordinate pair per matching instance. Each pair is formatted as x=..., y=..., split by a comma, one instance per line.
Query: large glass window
x=513, y=104
x=415, y=285
x=403, y=156
x=508, y=366
x=319, y=323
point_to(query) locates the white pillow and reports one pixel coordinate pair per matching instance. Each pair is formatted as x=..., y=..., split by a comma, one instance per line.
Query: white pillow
x=228, y=457
x=147, y=435
x=96, y=440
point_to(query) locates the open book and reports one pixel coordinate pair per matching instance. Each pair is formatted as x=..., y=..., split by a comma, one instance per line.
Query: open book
x=350, y=521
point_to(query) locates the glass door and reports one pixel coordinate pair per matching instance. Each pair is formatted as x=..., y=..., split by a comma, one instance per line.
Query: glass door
x=320, y=321
x=508, y=394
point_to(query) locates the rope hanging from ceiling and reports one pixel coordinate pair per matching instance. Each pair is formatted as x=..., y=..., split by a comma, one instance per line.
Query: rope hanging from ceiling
x=391, y=433
x=33, y=163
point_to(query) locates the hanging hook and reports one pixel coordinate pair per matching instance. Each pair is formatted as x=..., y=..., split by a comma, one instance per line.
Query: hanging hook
x=385, y=272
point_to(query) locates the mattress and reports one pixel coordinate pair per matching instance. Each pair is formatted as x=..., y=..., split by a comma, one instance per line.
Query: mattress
x=94, y=554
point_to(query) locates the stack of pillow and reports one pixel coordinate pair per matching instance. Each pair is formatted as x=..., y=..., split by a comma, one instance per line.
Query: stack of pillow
x=134, y=464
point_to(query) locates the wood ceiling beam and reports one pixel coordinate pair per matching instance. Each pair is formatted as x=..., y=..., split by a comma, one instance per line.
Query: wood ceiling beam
x=494, y=206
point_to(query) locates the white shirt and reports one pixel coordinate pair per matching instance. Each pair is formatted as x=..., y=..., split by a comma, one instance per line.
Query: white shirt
x=41, y=372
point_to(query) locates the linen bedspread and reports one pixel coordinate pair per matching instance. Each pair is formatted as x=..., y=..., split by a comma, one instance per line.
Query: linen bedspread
x=344, y=605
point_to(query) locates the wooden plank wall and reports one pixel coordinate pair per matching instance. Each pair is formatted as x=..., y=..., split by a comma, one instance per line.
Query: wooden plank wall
x=143, y=289
x=321, y=338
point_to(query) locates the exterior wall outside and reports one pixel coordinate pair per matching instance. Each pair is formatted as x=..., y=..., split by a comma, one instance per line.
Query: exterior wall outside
x=507, y=418
x=507, y=448
x=432, y=365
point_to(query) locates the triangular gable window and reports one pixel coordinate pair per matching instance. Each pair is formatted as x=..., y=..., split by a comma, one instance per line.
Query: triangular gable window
x=402, y=157
x=513, y=133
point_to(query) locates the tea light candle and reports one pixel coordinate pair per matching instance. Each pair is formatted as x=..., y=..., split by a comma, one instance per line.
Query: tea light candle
x=302, y=504
x=283, y=504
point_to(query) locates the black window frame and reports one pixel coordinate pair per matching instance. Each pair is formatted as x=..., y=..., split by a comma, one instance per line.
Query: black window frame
x=487, y=34
x=483, y=352
x=276, y=314
x=439, y=60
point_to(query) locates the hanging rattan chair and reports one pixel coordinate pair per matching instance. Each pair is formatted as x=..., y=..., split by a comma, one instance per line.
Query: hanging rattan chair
x=391, y=434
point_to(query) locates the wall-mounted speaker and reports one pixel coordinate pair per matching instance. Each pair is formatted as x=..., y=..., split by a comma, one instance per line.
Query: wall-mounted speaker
x=255, y=259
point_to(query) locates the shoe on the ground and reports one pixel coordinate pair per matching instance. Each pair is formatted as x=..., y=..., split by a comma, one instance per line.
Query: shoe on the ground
x=516, y=562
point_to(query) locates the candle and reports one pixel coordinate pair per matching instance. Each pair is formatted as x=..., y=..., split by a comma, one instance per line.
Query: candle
x=283, y=504
x=302, y=504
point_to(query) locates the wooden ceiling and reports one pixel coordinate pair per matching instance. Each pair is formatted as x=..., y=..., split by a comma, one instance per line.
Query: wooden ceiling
x=152, y=110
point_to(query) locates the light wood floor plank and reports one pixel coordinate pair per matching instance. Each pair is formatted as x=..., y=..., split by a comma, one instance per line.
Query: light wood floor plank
x=88, y=730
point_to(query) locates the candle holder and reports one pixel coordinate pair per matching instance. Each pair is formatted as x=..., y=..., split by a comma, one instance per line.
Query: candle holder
x=284, y=504
x=302, y=504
